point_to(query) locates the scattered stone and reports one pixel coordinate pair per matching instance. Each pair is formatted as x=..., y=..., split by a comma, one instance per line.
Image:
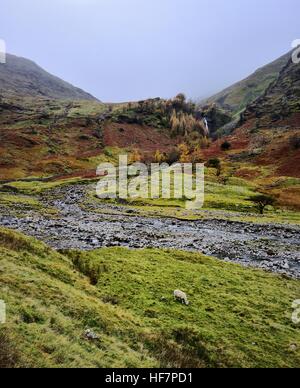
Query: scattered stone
x=285, y=265
x=91, y=335
x=78, y=225
x=293, y=347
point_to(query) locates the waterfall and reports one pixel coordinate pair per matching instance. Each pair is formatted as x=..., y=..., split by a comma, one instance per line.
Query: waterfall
x=206, y=124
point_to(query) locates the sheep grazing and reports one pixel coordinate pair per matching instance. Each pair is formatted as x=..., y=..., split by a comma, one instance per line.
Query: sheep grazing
x=181, y=297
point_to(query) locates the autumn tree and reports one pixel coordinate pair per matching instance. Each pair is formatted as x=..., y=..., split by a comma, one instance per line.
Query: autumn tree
x=181, y=98
x=182, y=125
x=197, y=156
x=204, y=142
x=135, y=156
x=159, y=157
x=175, y=123
x=184, y=153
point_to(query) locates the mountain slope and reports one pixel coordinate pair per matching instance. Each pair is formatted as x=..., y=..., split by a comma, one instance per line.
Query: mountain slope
x=238, y=96
x=280, y=102
x=269, y=131
x=39, y=138
x=22, y=77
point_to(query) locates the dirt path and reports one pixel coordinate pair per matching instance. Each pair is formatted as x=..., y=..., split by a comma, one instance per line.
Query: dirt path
x=271, y=247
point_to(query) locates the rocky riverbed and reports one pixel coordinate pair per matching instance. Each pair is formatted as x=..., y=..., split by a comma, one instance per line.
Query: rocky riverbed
x=271, y=247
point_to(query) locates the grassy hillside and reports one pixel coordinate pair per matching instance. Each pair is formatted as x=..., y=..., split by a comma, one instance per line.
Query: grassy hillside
x=237, y=317
x=46, y=137
x=265, y=148
x=238, y=96
x=230, y=200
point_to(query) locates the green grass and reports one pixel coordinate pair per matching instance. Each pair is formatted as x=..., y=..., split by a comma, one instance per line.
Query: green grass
x=233, y=196
x=231, y=202
x=35, y=188
x=20, y=200
x=19, y=205
x=49, y=306
x=238, y=317
x=229, y=197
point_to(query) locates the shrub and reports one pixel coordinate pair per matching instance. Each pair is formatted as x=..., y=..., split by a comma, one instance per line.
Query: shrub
x=135, y=157
x=173, y=157
x=184, y=153
x=84, y=137
x=159, y=157
x=197, y=156
x=215, y=163
x=225, y=146
x=295, y=143
x=262, y=201
x=108, y=153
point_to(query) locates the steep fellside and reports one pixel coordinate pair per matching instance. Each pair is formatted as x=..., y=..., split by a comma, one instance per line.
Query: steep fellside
x=280, y=102
x=236, y=97
x=22, y=77
x=265, y=148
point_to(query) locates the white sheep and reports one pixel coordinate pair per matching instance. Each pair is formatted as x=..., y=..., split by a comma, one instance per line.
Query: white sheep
x=181, y=297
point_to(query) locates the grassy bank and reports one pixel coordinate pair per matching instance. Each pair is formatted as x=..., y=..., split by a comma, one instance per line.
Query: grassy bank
x=237, y=317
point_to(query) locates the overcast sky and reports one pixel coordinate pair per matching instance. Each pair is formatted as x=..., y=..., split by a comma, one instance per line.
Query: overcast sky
x=121, y=50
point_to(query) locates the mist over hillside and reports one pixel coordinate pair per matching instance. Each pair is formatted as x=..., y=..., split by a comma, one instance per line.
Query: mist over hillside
x=236, y=97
